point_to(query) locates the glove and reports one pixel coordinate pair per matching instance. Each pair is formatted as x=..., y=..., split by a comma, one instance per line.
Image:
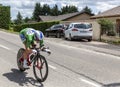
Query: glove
x=48, y=51
x=34, y=51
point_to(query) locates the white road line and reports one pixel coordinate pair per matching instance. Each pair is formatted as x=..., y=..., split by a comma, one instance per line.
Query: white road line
x=91, y=83
x=52, y=67
x=4, y=47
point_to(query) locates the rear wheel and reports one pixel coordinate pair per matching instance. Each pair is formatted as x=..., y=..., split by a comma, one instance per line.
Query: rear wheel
x=20, y=59
x=40, y=68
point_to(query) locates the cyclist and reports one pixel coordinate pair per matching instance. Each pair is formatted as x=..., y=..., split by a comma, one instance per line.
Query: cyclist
x=30, y=37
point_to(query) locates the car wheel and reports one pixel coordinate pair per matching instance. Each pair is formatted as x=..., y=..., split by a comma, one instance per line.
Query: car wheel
x=46, y=34
x=58, y=35
x=89, y=40
x=65, y=38
x=70, y=38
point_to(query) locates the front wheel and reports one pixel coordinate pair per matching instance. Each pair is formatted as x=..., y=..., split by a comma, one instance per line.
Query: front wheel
x=40, y=68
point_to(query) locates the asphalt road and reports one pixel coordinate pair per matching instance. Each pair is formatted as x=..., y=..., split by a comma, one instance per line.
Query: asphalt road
x=69, y=66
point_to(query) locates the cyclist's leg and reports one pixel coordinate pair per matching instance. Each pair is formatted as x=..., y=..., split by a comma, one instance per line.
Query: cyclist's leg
x=25, y=55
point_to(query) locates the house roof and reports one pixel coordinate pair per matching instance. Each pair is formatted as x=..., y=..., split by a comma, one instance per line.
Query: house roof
x=109, y=13
x=60, y=17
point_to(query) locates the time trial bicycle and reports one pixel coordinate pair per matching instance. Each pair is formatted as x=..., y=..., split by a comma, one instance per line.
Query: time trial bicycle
x=39, y=62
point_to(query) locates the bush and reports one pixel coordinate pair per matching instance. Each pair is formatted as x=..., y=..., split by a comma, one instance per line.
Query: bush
x=106, y=26
x=4, y=17
x=111, y=33
x=42, y=26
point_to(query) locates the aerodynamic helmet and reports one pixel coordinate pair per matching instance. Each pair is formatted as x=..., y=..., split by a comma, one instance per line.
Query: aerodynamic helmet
x=38, y=35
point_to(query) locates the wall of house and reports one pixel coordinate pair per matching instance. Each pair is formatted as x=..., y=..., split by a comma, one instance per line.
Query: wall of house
x=96, y=29
x=113, y=19
x=83, y=16
x=115, y=22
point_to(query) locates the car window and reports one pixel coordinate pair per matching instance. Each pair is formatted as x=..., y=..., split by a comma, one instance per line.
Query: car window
x=84, y=26
x=58, y=26
x=66, y=27
x=79, y=26
x=88, y=26
x=52, y=27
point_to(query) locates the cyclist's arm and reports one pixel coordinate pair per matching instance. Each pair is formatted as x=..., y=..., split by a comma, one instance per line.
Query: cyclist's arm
x=41, y=43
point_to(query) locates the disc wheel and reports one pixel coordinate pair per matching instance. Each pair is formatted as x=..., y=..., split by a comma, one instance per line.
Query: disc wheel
x=20, y=60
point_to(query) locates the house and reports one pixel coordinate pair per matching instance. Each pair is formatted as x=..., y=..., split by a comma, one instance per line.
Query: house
x=111, y=14
x=77, y=16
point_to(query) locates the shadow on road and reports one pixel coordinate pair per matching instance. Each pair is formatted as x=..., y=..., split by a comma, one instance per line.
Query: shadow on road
x=112, y=85
x=21, y=78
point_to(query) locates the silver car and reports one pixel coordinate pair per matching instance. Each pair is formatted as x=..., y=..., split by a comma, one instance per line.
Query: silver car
x=80, y=30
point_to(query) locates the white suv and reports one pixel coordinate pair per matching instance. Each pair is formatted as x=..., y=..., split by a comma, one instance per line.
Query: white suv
x=80, y=30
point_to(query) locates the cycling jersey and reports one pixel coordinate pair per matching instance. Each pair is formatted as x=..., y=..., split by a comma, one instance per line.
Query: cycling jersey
x=27, y=36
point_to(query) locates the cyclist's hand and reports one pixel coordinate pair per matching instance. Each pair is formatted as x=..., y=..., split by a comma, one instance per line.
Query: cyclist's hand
x=34, y=51
x=46, y=50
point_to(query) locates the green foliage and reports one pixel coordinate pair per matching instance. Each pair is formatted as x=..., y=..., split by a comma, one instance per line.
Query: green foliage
x=88, y=10
x=55, y=11
x=106, y=26
x=46, y=10
x=37, y=11
x=19, y=19
x=42, y=26
x=111, y=33
x=115, y=42
x=68, y=9
x=26, y=19
x=4, y=17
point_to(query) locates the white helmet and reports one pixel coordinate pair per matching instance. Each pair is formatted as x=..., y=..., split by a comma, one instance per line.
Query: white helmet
x=38, y=35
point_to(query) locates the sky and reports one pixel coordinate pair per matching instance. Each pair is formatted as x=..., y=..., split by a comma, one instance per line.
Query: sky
x=26, y=7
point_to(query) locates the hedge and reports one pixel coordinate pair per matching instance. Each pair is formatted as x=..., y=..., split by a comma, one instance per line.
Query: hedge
x=42, y=26
x=4, y=17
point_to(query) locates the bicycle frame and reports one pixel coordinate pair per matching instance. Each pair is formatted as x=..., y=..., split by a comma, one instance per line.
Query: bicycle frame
x=29, y=60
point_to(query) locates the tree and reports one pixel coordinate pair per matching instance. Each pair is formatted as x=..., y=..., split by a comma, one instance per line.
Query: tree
x=64, y=10
x=68, y=9
x=46, y=9
x=72, y=9
x=37, y=11
x=55, y=11
x=106, y=27
x=26, y=19
x=88, y=10
x=19, y=20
